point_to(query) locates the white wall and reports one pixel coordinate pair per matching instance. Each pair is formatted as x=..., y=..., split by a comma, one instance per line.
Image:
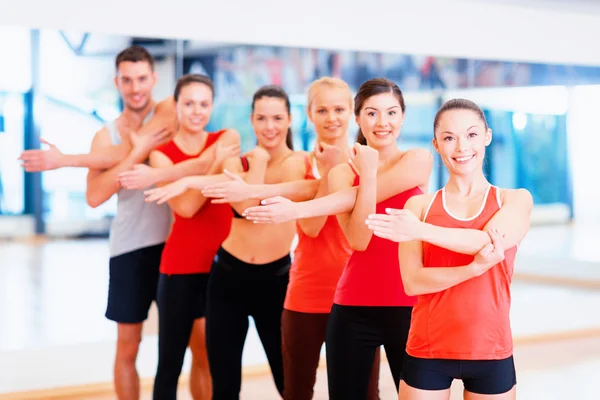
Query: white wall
x=584, y=142
x=456, y=28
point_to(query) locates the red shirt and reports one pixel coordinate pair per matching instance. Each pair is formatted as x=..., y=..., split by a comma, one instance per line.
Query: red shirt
x=193, y=242
x=469, y=321
x=372, y=277
x=317, y=266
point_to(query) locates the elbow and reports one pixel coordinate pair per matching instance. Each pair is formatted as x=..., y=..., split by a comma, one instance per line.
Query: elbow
x=93, y=200
x=410, y=288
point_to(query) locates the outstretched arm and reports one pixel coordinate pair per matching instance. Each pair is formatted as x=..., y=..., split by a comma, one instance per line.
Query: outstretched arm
x=141, y=176
x=157, y=130
x=512, y=219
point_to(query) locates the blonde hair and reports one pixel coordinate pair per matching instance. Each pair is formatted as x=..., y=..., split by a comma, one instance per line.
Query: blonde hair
x=329, y=83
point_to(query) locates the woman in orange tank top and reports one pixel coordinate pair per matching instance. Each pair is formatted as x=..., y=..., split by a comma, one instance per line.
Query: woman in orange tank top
x=457, y=252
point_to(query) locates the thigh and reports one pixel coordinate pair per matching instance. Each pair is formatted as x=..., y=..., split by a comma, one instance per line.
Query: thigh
x=489, y=377
x=396, y=322
x=175, y=299
x=303, y=335
x=351, y=342
x=226, y=330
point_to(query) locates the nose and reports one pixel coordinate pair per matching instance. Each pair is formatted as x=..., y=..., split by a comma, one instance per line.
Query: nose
x=462, y=143
x=382, y=120
x=330, y=117
x=270, y=124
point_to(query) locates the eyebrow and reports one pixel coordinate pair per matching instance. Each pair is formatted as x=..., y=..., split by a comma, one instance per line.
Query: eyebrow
x=373, y=108
x=452, y=133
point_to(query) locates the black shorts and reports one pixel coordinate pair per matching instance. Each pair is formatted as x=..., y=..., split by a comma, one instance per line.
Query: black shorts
x=132, y=284
x=479, y=376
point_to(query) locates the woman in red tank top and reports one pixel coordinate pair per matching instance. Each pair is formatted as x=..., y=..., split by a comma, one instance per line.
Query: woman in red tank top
x=198, y=230
x=457, y=252
x=370, y=307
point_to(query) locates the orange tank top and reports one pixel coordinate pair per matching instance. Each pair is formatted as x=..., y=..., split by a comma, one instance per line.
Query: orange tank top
x=317, y=265
x=469, y=321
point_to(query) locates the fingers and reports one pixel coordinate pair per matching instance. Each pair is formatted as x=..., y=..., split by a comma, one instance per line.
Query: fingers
x=396, y=211
x=487, y=250
x=272, y=200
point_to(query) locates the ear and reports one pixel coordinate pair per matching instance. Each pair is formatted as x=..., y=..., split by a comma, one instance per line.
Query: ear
x=116, y=80
x=155, y=77
x=488, y=137
x=435, y=145
x=356, y=119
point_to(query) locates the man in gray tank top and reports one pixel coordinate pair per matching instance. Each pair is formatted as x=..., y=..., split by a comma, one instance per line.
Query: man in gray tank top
x=139, y=229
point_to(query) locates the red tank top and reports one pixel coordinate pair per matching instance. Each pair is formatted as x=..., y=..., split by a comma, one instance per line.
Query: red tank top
x=193, y=242
x=317, y=266
x=469, y=321
x=372, y=277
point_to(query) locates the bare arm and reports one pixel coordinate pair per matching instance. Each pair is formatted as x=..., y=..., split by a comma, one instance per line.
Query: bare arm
x=512, y=220
x=101, y=185
x=257, y=161
x=157, y=130
x=419, y=280
x=187, y=203
x=200, y=165
x=141, y=176
x=412, y=170
x=313, y=226
x=353, y=223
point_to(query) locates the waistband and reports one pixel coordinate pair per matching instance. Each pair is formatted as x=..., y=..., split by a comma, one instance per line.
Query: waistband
x=229, y=262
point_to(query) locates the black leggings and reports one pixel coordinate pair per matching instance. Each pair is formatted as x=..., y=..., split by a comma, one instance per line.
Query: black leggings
x=353, y=335
x=237, y=290
x=181, y=299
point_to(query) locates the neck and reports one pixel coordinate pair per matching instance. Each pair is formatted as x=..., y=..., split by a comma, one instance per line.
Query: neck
x=467, y=185
x=190, y=141
x=278, y=153
x=138, y=114
x=388, y=153
x=339, y=142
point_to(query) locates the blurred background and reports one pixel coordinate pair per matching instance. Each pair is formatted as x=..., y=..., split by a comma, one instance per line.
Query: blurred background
x=531, y=65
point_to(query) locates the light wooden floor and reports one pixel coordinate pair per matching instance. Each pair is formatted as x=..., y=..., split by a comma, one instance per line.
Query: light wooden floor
x=53, y=332
x=560, y=370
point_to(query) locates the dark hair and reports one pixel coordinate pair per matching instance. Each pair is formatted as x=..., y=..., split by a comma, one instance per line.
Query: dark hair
x=459, y=104
x=188, y=79
x=134, y=54
x=371, y=88
x=278, y=93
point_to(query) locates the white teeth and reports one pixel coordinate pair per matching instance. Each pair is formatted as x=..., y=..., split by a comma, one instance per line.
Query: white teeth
x=462, y=159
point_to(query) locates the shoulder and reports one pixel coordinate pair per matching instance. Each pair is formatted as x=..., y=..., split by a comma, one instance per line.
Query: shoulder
x=417, y=204
x=341, y=176
x=228, y=136
x=294, y=167
x=519, y=196
x=233, y=164
x=417, y=154
x=102, y=138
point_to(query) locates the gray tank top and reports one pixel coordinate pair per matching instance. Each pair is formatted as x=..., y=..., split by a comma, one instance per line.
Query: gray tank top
x=137, y=224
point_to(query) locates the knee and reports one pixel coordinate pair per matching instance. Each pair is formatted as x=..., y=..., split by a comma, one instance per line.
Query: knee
x=127, y=348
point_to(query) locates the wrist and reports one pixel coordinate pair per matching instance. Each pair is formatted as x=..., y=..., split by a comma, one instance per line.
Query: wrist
x=69, y=160
x=475, y=269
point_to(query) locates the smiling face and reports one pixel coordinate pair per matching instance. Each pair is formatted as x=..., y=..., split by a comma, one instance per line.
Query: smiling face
x=330, y=109
x=461, y=136
x=271, y=122
x=194, y=106
x=135, y=81
x=380, y=120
